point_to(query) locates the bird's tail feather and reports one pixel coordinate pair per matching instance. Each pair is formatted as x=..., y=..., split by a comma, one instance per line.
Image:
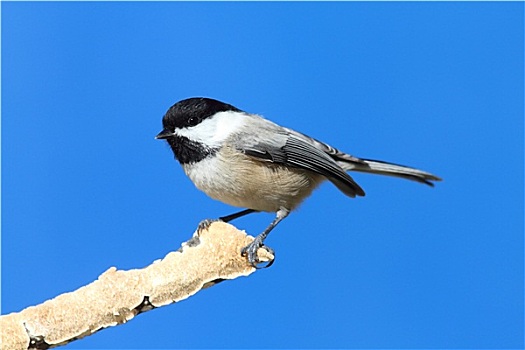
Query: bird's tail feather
x=384, y=168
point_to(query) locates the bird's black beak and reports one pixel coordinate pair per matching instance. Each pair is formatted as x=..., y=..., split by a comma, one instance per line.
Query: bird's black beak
x=164, y=134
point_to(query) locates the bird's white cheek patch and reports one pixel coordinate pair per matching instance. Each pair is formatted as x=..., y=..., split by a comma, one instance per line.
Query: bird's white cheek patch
x=228, y=123
x=214, y=130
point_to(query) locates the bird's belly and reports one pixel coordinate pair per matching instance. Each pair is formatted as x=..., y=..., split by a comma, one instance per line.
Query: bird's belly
x=243, y=182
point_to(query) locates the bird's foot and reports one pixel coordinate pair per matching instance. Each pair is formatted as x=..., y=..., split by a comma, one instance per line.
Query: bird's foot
x=250, y=251
x=205, y=224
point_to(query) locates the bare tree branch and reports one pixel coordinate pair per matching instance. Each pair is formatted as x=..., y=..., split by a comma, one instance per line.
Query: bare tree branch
x=211, y=256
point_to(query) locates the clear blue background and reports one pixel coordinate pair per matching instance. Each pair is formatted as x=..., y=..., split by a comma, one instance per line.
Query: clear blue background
x=439, y=86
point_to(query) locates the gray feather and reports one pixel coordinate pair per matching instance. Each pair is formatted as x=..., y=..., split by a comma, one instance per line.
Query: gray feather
x=292, y=148
x=300, y=153
x=352, y=163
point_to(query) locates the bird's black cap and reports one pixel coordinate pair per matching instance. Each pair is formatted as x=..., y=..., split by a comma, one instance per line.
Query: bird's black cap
x=190, y=112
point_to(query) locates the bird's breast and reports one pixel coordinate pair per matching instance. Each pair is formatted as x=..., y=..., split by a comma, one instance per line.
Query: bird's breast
x=242, y=181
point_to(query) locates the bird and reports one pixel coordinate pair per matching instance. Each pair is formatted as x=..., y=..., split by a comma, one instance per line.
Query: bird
x=247, y=161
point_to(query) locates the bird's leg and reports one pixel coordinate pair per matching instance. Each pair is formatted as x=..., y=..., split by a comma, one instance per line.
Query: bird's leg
x=204, y=224
x=250, y=250
x=234, y=216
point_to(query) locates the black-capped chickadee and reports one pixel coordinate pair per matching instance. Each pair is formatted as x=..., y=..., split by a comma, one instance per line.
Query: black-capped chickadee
x=247, y=161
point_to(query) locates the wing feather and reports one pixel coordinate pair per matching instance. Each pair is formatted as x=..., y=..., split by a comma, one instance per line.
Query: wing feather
x=300, y=152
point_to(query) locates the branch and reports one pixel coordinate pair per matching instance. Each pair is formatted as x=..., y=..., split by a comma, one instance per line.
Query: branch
x=211, y=256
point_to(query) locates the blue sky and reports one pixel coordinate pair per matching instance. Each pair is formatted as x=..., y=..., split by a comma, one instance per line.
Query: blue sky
x=439, y=86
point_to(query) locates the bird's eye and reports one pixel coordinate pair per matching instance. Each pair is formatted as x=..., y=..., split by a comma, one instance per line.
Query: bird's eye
x=192, y=121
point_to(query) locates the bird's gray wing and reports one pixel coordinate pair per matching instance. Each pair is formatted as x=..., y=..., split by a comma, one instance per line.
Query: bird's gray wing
x=295, y=150
x=333, y=152
x=352, y=163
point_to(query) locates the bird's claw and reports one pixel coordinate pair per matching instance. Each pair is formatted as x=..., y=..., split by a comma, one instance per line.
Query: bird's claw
x=205, y=224
x=250, y=251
